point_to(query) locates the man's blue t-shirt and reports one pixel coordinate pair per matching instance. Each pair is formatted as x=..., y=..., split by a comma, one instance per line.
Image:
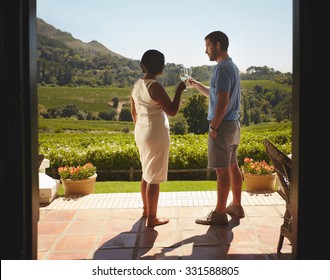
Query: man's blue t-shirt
x=225, y=78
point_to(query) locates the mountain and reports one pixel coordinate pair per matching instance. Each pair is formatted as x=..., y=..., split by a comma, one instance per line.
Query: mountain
x=93, y=47
x=67, y=61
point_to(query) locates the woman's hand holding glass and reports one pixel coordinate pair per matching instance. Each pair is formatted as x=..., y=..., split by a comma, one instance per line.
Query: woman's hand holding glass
x=190, y=82
x=185, y=75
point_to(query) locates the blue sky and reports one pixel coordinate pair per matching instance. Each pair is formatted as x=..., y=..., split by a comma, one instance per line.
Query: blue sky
x=259, y=31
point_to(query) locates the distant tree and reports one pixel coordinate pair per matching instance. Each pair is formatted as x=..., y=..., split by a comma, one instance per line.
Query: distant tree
x=195, y=112
x=255, y=115
x=179, y=125
x=115, y=102
x=125, y=115
x=258, y=89
x=125, y=130
x=107, y=78
x=52, y=113
x=89, y=116
x=69, y=111
x=283, y=110
x=246, y=118
x=109, y=115
x=81, y=115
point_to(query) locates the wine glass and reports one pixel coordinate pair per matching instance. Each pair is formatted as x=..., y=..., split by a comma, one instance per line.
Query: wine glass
x=189, y=73
x=185, y=73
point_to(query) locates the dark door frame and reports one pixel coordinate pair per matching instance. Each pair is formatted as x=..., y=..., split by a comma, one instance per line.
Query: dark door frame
x=19, y=129
x=19, y=157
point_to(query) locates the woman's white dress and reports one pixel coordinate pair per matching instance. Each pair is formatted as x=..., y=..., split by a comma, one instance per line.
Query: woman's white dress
x=152, y=134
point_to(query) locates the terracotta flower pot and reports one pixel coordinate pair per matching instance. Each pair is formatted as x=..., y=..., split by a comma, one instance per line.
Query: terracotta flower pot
x=81, y=186
x=259, y=182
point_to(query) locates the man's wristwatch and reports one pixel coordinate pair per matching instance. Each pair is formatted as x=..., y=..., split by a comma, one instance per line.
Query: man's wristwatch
x=212, y=129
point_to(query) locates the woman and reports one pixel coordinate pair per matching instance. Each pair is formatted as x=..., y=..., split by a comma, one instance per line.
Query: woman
x=150, y=105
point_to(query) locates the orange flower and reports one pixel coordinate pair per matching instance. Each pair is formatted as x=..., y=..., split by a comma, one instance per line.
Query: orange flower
x=77, y=172
x=257, y=167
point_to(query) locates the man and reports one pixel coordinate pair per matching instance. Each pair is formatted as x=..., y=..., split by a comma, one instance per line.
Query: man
x=224, y=129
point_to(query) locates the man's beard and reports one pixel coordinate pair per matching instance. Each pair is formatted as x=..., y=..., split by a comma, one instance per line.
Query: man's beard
x=212, y=56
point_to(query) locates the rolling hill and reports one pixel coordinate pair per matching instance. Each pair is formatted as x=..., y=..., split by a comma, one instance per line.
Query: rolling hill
x=92, y=47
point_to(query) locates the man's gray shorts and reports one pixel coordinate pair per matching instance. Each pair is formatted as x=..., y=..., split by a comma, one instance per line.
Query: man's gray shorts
x=222, y=151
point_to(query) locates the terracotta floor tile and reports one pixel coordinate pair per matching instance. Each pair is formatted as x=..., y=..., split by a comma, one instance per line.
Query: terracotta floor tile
x=209, y=236
x=85, y=227
x=187, y=223
x=196, y=252
x=45, y=242
x=113, y=254
x=266, y=222
x=248, y=253
x=52, y=227
x=81, y=255
x=245, y=237
x=63, y=215
x=238, y=222
x=132, y=214
x=194, y=212
x=269, y=236
x=80, y=242
x=156, y=253
x=123, y=225
x=42, y=255
x=123, y=214
x=114, y=240
x=260, y=211
x=147, y=239
x=159, y=238
x=168, y=212
x=121, y=234
x=97, y=214
x=226, y=237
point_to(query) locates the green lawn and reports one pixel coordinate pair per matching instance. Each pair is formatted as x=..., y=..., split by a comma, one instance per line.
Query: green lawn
x=169, y=186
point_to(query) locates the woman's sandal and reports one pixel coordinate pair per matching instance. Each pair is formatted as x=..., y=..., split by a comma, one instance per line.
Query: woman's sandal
x=154, y=221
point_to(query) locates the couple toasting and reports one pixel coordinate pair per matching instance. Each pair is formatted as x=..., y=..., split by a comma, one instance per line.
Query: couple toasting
x=150, y=105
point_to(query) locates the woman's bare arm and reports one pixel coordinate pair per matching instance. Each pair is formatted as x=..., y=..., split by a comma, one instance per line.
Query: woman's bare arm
x=158, y=93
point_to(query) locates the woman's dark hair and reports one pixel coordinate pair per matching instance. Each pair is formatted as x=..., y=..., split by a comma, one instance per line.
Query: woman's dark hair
x=218, y=36
x=152, y=62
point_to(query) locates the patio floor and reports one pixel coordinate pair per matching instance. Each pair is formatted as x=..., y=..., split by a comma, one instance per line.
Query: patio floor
x=110, y=227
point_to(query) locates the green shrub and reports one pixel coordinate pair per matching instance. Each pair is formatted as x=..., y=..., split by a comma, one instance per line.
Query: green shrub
x=117, y=151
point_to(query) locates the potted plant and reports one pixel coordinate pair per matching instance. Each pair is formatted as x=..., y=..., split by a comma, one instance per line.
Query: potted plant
x=78, y=179
x=258, y=175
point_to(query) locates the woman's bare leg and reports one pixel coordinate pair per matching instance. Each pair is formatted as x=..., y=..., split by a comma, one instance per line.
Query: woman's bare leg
x=152, y=195
x=143, y=188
